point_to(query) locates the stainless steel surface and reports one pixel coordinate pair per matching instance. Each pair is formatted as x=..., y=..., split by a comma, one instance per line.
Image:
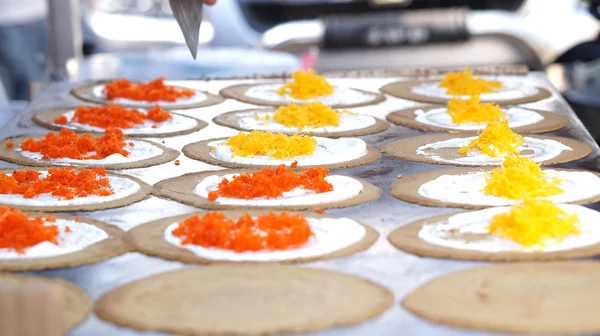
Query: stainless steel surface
x=188, y=14
x=65, y=37
x=399, y=271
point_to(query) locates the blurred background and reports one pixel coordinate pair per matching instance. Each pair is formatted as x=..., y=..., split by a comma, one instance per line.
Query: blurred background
x=47, y=40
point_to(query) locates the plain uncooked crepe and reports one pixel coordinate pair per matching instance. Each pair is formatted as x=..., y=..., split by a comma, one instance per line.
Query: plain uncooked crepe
x=71, y=303
x=553, y=297
x=105, y=249
x=244, y=300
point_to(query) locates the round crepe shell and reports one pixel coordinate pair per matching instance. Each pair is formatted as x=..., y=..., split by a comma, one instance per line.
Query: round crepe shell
x=230, y=299
x=11, y=155
x=108, y=248
x=238, y=92
x=118, y=203
x=181, y=189
x=407, y=188
x=403, y=89
x=77, y=304
x=531, y=298
x=406, y=238
x=407, y=149
x=85, y=93
x=45, y=118
x=201, y=151
x=231, y=120
x=149, y=239
x=406, y=117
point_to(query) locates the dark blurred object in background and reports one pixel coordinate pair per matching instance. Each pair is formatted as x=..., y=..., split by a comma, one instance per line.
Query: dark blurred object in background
x=23, y=47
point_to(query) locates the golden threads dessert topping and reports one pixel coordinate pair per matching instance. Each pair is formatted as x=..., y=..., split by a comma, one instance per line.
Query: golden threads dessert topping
x=535, y=223
x=276, y=145
x=520, y=178
x=309, y=115
x=473, y=111
x=463, y=83
x=267, y=232
x=306, y=85
x=495, y=140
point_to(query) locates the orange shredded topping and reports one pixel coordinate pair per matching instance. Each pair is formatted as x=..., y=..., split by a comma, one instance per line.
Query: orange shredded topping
x=311, y=115
x=62, y=120
x=520, y=178
x=463, y=83
x=115, y=116
x=275, y=145
x=267, y=232
x=67, y=144
x=473, y=111
x=61, y=182
x=534, y=223
x=152, y=91
x=494, y=140
x=306, y=85
x=319, y=211
x=9, y=144
x=294, y=164
x=272, y=183
x=18, y=231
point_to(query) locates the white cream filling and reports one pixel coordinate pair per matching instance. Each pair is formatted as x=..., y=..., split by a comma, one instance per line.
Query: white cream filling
x=140, y=151
x=343, y=188
x=98, y=92
x=468, y=188
x=476, y=222
x=330, y=235
x=517, y=117
x=543, y=149
x=340, y=96
x=179, y=123
x=348, y=122
x=328, y=151
x=511, y=89
x=122, y=187
x=81, y=236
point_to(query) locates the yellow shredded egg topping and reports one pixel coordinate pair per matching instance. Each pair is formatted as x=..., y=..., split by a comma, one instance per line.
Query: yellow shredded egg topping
x=463, y=83
x=473, y=111
x=306, y=85
x=311, y=115
x=520, y=178
x=534, y=223
x=494, y=140
x=275, y=145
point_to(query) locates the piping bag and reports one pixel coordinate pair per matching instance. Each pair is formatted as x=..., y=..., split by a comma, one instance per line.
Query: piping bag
x=188, y=14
